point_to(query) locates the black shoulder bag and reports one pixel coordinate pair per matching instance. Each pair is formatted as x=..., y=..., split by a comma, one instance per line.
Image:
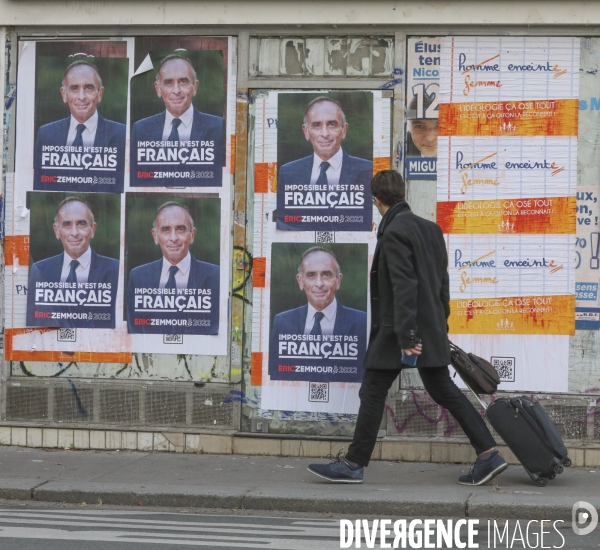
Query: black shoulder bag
x=475, y=371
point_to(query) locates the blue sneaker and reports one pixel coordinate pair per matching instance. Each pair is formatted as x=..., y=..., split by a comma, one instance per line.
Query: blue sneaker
x=483, y=471
x=338, y=471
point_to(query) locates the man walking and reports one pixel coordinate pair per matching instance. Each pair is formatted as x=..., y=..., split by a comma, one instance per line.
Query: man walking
x=409, y=311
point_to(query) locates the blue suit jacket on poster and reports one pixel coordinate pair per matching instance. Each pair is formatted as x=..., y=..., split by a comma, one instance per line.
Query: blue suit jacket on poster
x=204, y=128
x=202, y=275
x=102, y=270
x=354, y=171
x=348, y=321
x=108, y=134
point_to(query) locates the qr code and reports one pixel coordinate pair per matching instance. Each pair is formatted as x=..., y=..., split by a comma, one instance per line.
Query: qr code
x=172, y=338
x=505, y=366
x=325, y=236
x=67, y=335
x=319, y=392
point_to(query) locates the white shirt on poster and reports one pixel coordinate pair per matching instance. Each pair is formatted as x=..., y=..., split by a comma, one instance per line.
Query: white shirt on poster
x=181, y=277
x=327, y=322
x=82, y=271
x=89, y=134
x=184, y=129
x=333, y=172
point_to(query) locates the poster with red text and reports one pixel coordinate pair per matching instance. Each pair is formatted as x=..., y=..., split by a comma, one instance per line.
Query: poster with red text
x=507, y=183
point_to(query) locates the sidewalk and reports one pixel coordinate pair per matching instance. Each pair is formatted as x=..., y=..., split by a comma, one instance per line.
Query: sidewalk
x=272, y=483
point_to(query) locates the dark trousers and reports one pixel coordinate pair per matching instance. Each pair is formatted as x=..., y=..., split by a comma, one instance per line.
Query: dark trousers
x=442, y=390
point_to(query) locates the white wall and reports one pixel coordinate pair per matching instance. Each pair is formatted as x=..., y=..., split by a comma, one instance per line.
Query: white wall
x=297, y=13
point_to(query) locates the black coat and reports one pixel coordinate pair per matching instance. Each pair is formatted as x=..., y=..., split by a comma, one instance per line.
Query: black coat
x=409, y=291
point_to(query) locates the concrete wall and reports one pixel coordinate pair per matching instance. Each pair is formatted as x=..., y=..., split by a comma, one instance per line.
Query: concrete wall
x=299, y=13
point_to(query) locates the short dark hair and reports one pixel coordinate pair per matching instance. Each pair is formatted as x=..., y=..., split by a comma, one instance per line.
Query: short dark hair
x=172, y=57
x=320, y=99
x=388, y=186
x=169, y=204
x=81, y=62
x=314, y=249
x=73, y=199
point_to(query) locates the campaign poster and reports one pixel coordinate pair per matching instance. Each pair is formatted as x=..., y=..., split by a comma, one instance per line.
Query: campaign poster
x=588, y=190
x=422, y=99
x=80, y=118
x=318, y=312
x=177, y=110
x=507, y=184
x=172, y=266
x=324, y=161
x=587, y=258
x=73, y=259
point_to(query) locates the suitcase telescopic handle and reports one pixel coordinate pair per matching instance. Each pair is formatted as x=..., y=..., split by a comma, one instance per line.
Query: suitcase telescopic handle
x=481, y=401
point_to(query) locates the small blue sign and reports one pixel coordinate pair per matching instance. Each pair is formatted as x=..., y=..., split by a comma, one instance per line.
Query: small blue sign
x=421, y=168
x=586, y=291
x=587, y=318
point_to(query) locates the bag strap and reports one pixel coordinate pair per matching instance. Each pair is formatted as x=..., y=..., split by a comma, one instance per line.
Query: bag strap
x=453, y=346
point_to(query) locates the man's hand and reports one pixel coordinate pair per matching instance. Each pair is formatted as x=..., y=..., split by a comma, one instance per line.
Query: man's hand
x=414, y=351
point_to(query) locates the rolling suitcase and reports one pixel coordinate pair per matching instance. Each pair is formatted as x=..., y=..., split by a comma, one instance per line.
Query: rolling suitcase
x=529, y=433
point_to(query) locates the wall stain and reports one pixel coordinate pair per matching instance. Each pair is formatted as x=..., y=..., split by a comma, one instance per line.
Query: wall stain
x=64, y=369
x=80, y=408
x=24, y=369
x=185, y=364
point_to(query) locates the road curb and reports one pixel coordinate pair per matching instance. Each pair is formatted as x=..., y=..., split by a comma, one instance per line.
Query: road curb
x=390, y=505
x=136, y=495
x=18, y=489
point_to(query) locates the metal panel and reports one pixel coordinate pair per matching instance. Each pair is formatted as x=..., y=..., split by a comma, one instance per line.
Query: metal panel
x=359, y=57
x=165, y=407
x=73, y=404
x=214, y=409
x=24, y=403
x=56, y=403
x=268, y=56
x=336, y=50
x=413, y=413
x=119, y=405
x=319, y=56
x=292, y=55
x=314, y=61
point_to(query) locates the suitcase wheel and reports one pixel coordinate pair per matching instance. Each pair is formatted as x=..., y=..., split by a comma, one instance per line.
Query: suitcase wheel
x=567, y=463
x=552, y=476
x=541, y=481
x=559, y=469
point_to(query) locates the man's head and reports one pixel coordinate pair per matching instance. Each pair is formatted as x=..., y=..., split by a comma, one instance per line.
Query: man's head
x=82, y=89
x=173, y=230
x=319, y=276
x=176, y=83
x=325, y=126
x=424, y=133
x=74, y=226
x=387, y=188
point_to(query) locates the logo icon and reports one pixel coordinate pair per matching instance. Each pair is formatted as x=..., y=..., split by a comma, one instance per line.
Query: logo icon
x=584, y=522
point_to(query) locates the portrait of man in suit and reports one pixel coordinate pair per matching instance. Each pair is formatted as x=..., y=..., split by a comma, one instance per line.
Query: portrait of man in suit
x=76, y=283
x=187, y=137
x=177, y=274
x=322, y=319
x=331, y=181
x=82, y=136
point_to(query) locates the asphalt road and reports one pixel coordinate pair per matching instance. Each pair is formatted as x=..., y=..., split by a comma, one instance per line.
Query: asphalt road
x=37, y=526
